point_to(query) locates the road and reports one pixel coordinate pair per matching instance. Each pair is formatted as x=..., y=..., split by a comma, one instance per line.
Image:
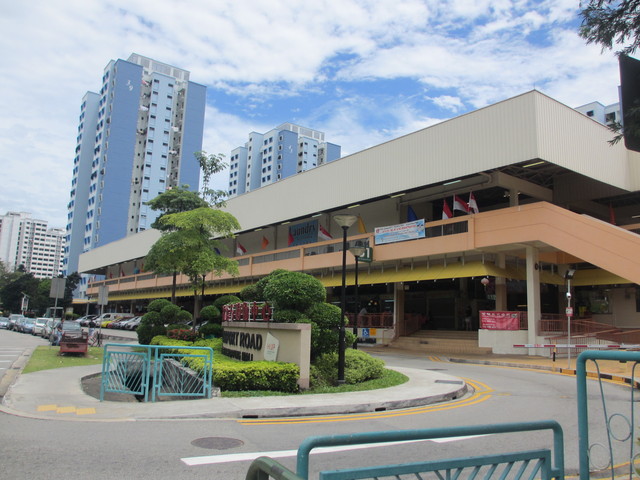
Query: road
x=223, y=448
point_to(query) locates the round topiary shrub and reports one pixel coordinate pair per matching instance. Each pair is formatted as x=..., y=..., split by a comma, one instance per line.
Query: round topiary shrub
x=250, y=294
x=211, y=314
x=294, y=291
x=158, y=305
x=288, y=316
x=146, y=332
x=225, y=300
x=209, y=330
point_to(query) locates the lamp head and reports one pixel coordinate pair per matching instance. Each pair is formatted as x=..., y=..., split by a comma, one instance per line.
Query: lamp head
x=345, y=221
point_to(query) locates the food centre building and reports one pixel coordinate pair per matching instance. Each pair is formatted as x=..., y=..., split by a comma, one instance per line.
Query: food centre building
x=494, y=215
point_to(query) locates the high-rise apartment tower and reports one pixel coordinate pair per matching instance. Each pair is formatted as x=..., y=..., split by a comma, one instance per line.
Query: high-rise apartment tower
x=31, y=243
x=284, y=151
x=136, y=139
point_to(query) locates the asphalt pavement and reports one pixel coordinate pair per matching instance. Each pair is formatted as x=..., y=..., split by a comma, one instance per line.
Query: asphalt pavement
x=73, y=393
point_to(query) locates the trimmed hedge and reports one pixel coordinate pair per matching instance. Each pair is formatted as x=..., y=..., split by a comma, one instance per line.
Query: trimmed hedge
x=232, y=375
x=359, y=367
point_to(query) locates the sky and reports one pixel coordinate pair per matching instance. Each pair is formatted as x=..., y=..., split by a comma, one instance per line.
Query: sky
x=362, y=71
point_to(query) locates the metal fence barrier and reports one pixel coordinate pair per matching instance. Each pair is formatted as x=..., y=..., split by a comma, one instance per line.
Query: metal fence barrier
x=140, y=369
x=599, y=453
x=544, y=464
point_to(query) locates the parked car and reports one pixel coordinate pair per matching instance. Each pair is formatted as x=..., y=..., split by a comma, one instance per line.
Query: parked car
x=4, y=322
x=38, y=326
x=84, y=321
x=133, y=323
x=27, y=325
x=106, y=318
x=13, y=319
x=48, y=328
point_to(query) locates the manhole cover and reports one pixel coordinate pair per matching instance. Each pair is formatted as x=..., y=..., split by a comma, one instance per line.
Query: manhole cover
x=217, y=443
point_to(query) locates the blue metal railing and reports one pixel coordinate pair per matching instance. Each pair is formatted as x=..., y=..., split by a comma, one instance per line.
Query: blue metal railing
x=544, y=464
x=140, y=369
x=627, y=420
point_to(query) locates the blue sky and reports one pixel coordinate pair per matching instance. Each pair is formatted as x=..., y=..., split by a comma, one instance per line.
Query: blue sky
x=362, y=71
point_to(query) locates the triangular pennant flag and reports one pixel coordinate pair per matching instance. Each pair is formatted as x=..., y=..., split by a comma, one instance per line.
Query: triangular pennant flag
x=240, y=250
x=473, y=205
x=411, y=215
x=290, y=239
x=446, y=211
x=265, y=242
x=361, y=227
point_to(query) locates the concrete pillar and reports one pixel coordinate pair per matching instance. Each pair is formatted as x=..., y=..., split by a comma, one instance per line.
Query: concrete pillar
x=513, y=197
x=398, y=310
x=501, y=285
x=534, y=310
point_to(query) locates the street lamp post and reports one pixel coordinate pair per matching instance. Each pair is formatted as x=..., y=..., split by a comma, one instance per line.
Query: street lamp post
x=568, y=276
x=357, y=251
x=345, y=221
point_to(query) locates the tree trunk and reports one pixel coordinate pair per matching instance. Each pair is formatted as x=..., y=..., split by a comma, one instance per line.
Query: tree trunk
x=173, y=287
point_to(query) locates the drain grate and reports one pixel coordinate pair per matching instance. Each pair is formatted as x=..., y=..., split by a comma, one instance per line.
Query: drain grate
x=217, y=443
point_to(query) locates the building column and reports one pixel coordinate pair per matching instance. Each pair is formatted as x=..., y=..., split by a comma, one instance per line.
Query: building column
x=398, y=309
x=501, y=286
x=513, y=197
x=533, y=296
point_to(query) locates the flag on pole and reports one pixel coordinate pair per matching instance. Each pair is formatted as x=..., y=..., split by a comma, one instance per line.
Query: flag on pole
x=240, y=250
x=411, y=215
x=446, y=211
x=265, y=242
x=473, y=205
x=459, y=204
x=361, y=226
x=323, y=234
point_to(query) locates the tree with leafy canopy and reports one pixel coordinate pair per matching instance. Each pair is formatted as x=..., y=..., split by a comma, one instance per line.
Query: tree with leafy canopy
x=190, y=245
x=615, y=24
x=210, y=164
x=175, y=200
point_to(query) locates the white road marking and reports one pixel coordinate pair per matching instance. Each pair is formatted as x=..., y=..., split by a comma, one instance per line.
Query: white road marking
x=250, y=456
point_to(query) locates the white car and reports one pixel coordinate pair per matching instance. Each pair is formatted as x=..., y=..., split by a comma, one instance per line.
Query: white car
x=39, y=325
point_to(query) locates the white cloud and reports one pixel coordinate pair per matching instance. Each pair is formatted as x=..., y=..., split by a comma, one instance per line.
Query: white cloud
x=331, y=64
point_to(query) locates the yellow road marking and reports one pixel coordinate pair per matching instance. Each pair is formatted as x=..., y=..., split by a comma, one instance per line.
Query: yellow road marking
x=57, y=409
x=482, y=393
x=47, y=408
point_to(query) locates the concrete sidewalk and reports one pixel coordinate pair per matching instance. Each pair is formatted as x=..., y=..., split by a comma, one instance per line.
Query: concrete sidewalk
x=58, y=394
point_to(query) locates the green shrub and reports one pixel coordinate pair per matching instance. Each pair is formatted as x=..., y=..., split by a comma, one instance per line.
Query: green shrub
x=210, y=314
x=250, y=294
x=288, y=316
x=209, y=329
x=158, y=305
x=177, y=326
x=294, y=291
x=260, y=284
x=152, y=318
x=225, y=300
x=146, y=332
x=240, y=376
x=359, y=366
x=184, y=317
x=325, y=335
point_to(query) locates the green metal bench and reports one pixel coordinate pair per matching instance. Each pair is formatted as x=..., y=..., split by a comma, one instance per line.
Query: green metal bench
x=545, y=464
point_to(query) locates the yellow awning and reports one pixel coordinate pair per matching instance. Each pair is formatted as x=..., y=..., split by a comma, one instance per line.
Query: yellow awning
x=596, y=276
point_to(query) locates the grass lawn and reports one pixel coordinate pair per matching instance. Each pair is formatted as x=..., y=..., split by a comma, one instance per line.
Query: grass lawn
x=46, y=358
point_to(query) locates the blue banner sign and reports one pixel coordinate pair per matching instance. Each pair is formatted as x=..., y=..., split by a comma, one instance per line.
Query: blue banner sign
x=303, y=233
